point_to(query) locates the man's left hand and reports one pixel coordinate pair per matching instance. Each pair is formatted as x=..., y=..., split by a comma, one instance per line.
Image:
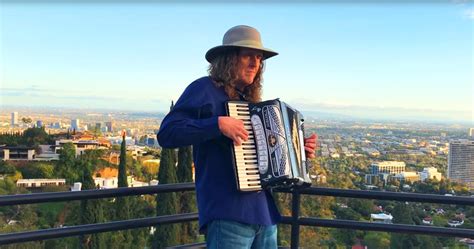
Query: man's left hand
x=310, y=144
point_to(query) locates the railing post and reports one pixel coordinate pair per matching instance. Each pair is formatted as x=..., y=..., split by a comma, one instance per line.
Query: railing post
x=295, y=213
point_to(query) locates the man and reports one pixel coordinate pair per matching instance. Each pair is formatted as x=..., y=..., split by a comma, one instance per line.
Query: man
x=230, y=218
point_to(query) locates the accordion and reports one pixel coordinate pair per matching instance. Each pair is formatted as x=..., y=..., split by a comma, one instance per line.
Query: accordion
x=274, y=154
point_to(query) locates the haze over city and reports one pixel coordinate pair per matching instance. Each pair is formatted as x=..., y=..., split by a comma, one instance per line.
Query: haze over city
x=380, y=61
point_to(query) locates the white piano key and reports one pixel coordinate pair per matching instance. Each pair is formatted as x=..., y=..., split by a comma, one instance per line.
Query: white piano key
x=237, y=108
x=244, y=147
x=249, y=180
x=242, y=171
x=248, y=167
x=251, y=188
x=247, y=171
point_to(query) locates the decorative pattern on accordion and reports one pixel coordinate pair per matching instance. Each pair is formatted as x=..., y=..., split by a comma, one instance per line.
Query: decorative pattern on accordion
x=276, y=141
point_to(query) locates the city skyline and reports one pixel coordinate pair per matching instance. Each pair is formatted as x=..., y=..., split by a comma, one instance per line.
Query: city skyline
x=368, y=60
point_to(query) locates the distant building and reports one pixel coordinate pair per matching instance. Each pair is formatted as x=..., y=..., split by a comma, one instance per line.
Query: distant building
x=46, y=153
x=383, y=171
x=389, y=167
x=151, y=141
x=118, y=140
x=427, y=220
x=381, y=218
x=471, y=132
x=39, y=123
x=75, y=123
x=28, y=153
x=109, y=126
x=461, y=162
x=112, y=182
x=77, y=186
x=132, y=132
x=407, y=176
x=372, y=179
x=39, y=183
x=17, y=153
x=468, y=242
x=98, y=126
x=82, y=145
x=56, y=125
x=430, y=173
x=14, y=119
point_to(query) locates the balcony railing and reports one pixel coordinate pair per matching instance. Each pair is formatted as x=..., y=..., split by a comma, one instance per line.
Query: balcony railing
x=295, y=220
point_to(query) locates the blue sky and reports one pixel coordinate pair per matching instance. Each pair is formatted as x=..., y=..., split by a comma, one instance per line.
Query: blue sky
x=389, y=60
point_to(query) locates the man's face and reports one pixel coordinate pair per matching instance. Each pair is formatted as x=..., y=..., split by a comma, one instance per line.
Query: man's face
x=249, y=64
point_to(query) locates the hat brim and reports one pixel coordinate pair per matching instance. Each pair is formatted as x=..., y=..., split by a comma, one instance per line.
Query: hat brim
x=213, y=52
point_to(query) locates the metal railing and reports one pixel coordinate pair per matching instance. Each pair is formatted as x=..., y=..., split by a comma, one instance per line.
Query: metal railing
x=295, y=220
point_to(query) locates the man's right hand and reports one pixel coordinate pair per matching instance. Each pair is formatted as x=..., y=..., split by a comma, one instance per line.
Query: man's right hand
x=233, y=129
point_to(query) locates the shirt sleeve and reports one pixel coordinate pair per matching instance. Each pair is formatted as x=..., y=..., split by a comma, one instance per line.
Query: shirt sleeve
x=184, y=125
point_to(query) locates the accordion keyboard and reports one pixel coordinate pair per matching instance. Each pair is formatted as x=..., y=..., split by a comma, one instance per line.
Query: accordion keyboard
x=248, y=177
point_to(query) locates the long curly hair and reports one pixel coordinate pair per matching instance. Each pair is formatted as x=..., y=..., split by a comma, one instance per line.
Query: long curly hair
x=223, y=72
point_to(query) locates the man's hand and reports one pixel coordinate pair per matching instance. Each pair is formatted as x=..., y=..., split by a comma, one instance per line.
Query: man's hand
x=233, y=129
x=310, y=144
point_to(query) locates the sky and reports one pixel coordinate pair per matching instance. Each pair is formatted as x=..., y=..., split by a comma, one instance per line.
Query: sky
x=394, y=60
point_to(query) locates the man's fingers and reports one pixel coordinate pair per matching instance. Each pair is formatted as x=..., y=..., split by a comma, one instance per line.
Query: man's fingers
x=237, y=140
x=310, y=140
x=308, y=149
x=310, y=145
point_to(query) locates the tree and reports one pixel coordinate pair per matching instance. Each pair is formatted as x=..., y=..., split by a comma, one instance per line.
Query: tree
x=187, y=199
x=66, y=166
x=402, y=214
x=122, y=176
x=122, y=208
x=377, y=240
x=35, y=136
x=26, y=120
x=91, y=211
x=166, y=235
x=6, y=168
x=37, y=170
x=25, y=216
x=362, y=206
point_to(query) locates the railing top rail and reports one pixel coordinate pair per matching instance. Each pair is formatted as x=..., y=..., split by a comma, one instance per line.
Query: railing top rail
x=6, y=200
x=295, y=220
x=385, y=195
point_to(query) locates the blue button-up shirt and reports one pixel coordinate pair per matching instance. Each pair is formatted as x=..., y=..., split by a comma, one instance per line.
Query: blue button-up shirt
x=194, y=121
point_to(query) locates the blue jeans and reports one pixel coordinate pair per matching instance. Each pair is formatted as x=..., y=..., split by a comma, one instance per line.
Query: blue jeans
x=225, y=234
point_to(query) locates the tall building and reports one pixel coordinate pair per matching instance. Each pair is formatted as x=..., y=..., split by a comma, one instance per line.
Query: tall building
x=461, y=162
x=75, y=124
x=14, y=120
x=387, y=167
x=471, y=132
x=39, y=123
x=109, y=126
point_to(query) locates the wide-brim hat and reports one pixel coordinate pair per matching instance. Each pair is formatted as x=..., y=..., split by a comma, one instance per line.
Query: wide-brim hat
x=240, y=37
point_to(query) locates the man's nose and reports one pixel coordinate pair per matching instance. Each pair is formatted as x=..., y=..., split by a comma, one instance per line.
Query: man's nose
x=253, y=60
